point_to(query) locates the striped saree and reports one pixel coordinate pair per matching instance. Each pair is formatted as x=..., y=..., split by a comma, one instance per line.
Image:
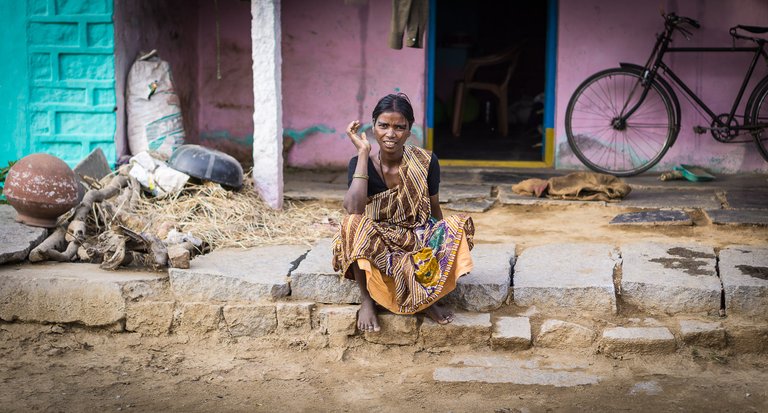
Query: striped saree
x=410, y=259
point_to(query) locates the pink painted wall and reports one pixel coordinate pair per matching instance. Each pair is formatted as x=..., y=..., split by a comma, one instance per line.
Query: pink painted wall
x=170, y=26
x=336, y=66
x=598, y=34
x=225, y=118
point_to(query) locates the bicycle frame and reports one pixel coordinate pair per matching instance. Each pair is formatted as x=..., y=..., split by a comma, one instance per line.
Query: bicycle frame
x=655, y=62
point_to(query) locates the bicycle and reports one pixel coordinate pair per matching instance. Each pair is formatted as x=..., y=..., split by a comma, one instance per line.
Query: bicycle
x=622, y=121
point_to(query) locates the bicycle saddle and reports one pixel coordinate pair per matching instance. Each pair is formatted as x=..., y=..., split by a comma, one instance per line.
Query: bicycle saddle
x=753, y=29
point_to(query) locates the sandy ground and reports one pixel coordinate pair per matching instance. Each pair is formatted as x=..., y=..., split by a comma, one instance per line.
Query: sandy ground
x=64, y=368
x=77, y=371
x=543, y=224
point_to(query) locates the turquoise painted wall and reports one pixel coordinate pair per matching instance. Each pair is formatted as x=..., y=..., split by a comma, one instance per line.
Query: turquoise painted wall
x=70, y=108
x=14, y=83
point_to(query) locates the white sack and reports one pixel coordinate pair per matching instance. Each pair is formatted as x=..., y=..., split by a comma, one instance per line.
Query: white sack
x=154, y=112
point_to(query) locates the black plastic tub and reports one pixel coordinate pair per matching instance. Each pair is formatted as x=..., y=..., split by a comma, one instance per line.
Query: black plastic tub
x=208, y=165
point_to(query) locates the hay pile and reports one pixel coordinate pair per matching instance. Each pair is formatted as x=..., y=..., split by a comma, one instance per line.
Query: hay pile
x=223, y=218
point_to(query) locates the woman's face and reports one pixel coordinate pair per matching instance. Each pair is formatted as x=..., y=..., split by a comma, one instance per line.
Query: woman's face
x=391, y=131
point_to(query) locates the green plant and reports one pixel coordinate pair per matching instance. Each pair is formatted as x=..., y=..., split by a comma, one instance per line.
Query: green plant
x=3, y=173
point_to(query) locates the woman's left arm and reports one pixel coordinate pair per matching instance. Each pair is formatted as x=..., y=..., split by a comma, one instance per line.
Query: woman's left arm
x=434, y=206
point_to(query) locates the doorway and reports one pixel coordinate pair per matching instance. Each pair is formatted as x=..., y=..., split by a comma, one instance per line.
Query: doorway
x=490, y=82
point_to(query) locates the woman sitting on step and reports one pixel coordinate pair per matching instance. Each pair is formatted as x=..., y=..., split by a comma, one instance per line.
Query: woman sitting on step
x=395, y=242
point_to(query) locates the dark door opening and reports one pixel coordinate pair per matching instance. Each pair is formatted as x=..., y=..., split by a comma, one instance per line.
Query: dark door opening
x=479, y=45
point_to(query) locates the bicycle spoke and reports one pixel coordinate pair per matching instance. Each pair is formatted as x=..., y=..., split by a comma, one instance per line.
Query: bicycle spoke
x=608, y=143
x=603, y=104
x=760, y=119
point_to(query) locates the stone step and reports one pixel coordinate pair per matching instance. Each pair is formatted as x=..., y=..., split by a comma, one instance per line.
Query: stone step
x=501, y=369
x=568, y=277
x=315, y=280
x=465, y=329
x=17, y=239
x=563, y=334
x=661, y=278
x=702, y=333
x=74, y=293
x=642, y=340
x=744, y=274
x=245, y=275
x=511, y=333
x=487, y=286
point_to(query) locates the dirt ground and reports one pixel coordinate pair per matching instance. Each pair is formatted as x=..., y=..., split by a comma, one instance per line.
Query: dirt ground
x=70, y=369
x=78, y=371
x=543, y=224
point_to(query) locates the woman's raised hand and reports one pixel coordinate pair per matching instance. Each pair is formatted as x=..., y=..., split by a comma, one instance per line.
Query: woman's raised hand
x=360, y=141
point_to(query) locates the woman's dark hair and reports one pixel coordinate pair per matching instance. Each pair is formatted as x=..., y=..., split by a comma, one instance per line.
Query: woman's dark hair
x=395, y=103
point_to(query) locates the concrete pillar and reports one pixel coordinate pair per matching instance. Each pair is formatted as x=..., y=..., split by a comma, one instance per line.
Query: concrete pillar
x=267, y=102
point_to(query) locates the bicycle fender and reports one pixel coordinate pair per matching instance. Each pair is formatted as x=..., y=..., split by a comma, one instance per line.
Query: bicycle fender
x=667, y=88
x=761, y=85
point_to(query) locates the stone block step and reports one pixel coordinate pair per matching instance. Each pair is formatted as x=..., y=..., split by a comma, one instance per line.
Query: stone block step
x=73, y=293
x=568, y=277
x=670, y=278
x=247, y=275
x=744, y=273
x=465, y=329
x=702, y=333
x=17, y=239
x=563, y=334
x=487, y=286
x=642, y=340
x=501, y=369
x=315, y=280
x=511, y=333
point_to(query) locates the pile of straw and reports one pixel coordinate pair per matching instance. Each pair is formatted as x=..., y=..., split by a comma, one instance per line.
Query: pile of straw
x=223, y=218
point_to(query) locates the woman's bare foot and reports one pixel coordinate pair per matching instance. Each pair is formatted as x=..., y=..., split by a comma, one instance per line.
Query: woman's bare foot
x=439, y=314
x=366, y=316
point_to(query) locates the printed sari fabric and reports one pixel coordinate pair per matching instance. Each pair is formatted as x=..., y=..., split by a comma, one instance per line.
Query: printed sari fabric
x=414, y=254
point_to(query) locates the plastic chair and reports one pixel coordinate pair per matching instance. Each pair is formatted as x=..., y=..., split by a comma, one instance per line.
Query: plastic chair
x=509, y=57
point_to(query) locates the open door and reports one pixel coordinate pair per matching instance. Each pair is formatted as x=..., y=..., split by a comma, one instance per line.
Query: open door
x=491, y=82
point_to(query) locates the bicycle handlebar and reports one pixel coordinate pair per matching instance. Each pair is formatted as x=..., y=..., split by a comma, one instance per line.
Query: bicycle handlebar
x=675, y=21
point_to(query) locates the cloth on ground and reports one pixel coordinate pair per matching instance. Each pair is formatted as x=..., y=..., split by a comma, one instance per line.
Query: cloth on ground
x=583, y=186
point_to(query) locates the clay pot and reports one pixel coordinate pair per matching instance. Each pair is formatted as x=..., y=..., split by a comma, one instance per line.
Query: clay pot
x=40, y=187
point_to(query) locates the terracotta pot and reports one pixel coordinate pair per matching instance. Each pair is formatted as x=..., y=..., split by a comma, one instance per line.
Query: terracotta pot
x=40, y=187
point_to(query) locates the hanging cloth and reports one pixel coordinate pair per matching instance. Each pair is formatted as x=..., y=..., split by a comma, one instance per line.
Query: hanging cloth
x=409, y=18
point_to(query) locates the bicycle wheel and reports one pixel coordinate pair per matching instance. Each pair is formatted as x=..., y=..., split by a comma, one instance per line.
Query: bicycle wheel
x=759, y=116
x=606, y=143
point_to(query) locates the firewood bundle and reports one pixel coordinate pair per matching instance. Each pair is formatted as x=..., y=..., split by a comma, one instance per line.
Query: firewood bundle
x=104, y=229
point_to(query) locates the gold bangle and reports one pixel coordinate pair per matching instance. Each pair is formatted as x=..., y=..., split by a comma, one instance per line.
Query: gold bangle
x=361, y=176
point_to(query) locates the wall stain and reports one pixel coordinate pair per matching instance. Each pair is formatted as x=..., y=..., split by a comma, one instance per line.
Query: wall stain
x=298, y=135
x=362, y=13
x=691, y=262
x=756, y=272
x=239, y=147
x=416, y=138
